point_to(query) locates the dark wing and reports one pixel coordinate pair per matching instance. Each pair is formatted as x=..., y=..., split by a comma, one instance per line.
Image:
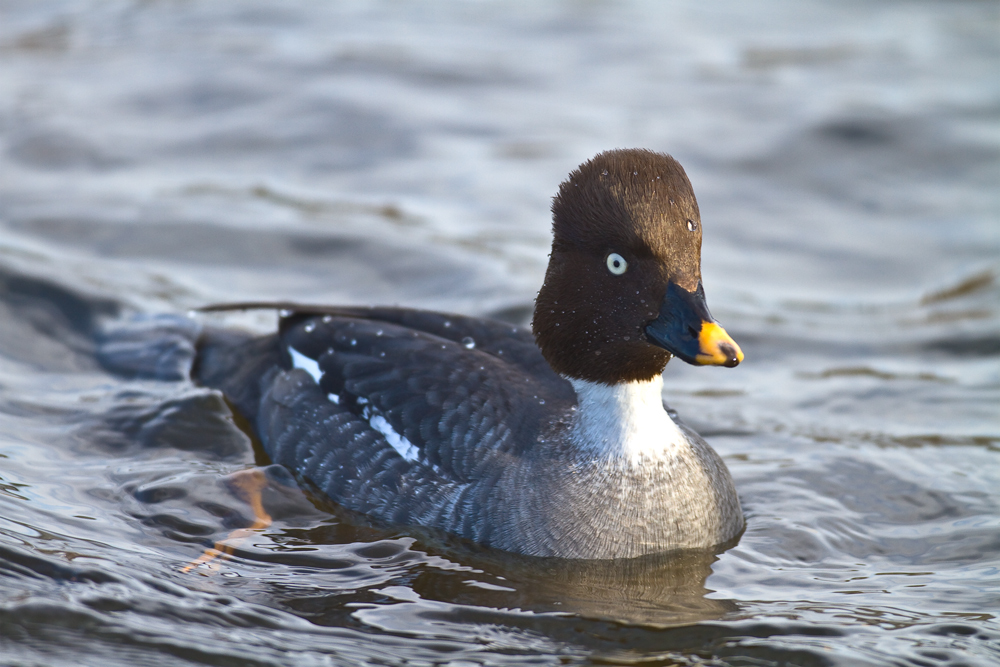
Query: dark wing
x=508, y=342
x=447, y=392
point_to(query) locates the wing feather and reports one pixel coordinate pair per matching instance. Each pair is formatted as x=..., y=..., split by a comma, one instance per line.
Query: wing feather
x=459, y=405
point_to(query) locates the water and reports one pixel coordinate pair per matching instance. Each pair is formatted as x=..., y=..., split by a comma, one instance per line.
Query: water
x=159, y=156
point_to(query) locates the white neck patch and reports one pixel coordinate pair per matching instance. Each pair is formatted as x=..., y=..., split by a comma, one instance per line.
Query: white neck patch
x=624, y=422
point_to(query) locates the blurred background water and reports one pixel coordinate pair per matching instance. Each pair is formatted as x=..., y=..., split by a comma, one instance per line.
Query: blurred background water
x=156, y=156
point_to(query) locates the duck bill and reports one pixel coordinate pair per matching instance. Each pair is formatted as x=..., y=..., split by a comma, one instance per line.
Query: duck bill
x=686, y=330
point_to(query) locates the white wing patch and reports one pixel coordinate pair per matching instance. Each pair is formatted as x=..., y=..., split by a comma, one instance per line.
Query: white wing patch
x=310, y=366
x=405, y=448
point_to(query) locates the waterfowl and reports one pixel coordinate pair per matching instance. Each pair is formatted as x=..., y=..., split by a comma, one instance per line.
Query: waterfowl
x=549, y=442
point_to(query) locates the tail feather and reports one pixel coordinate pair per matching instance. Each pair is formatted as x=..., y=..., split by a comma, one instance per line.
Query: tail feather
x=238, y=364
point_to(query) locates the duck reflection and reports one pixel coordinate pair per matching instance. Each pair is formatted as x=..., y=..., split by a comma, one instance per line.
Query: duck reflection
x=324, y=554
x=659, y=589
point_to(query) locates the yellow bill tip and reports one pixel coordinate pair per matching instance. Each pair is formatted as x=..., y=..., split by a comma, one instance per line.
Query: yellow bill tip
x=717, y=347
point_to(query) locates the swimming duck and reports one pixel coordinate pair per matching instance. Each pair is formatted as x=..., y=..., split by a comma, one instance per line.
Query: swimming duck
x=549, y=442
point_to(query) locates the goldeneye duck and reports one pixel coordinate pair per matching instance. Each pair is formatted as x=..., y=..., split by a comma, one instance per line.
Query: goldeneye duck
x=551, y=443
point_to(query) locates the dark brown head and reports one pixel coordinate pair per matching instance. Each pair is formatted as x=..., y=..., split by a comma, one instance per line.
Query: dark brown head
x=623, y=289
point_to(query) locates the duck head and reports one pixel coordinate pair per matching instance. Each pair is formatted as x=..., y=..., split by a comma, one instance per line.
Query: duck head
x=622, y=293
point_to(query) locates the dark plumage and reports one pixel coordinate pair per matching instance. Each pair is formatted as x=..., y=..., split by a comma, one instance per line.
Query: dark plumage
x=636, y=203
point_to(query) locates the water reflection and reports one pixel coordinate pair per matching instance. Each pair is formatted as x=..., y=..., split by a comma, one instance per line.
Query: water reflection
x=661, y=590
x=323, y=555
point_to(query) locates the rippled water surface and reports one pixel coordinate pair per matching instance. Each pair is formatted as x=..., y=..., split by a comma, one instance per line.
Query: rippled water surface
x=159, y=156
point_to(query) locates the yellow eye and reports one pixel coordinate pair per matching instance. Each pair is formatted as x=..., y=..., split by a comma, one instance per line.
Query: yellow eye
x=616, y=264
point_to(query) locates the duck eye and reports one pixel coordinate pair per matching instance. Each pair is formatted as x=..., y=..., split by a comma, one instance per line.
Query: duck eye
x=692, y=225
x=616, y=264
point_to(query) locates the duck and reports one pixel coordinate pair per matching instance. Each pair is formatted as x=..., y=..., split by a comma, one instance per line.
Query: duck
x=552, y=441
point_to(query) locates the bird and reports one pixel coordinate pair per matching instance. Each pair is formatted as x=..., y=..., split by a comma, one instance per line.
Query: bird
x=552, y=441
